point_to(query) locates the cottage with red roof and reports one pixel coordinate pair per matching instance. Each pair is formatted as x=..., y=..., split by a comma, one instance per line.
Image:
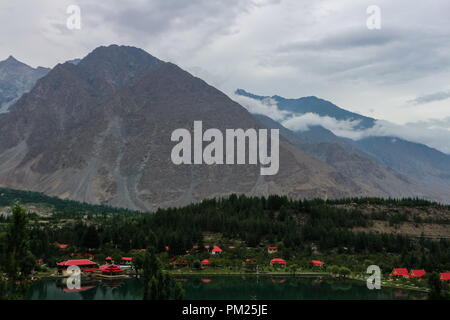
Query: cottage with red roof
x=272, y=249
x=111, y=270
x=317, y=263
x=417, y=273
x=180, y=264
x=281, y=262
x=216, y=250
x=445, y=276
x=127, y=260
x=400, y=272
x=206, y=263
x=83, y=264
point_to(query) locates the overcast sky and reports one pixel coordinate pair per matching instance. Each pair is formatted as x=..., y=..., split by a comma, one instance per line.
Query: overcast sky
x=292, y=48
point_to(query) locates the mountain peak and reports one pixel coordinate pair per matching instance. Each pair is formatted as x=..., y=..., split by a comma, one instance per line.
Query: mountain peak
x=118, y=65
x=11, y=61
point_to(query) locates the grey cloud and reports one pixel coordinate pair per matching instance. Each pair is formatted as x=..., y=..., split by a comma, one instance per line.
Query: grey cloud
x=437, y=96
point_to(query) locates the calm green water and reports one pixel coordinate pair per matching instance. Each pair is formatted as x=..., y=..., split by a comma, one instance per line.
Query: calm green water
x=224, y=288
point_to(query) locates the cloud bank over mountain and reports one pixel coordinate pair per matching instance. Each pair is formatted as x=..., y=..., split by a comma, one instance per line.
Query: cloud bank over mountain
x=435, y=134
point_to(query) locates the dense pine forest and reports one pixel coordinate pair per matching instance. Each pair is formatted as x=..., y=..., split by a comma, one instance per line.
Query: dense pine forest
x=301, y=229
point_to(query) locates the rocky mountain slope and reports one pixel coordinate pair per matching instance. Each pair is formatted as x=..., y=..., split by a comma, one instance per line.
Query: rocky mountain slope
x=99, y=131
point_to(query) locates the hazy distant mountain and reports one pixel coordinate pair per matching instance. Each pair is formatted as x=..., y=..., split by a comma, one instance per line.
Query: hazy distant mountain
x=16, y=78
x=313, y=105
x=364, y=171
x=420, y=164
x=427, y=165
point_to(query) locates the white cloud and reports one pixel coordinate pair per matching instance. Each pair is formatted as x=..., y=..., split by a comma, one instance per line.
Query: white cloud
x=343, y=128
x=267, y=107
x=434, y=133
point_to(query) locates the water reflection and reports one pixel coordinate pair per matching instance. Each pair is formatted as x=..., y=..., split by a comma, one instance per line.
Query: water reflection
x=223, y=288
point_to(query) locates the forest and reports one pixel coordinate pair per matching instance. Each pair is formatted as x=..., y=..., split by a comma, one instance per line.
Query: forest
x=300, y=228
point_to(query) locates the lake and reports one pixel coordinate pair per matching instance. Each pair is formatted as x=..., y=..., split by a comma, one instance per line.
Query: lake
x=229, y=287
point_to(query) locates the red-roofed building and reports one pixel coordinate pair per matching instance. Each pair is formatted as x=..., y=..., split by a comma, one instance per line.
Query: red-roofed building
x=278, y=262
x=108, y=258
x=63, y=246
x=216, y=250
x=206, y=262
x=83, y=264
x=231, y=247
x=317, y=263
x=127, y=260
x=445, y=276
x=272, y=249
x=111, y=269
x=417, y=273
x=180, y=264
x=400, y=272
x=79, y=263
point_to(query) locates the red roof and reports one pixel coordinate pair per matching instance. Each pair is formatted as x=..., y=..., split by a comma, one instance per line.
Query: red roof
x=250, y=261
x=110, y=268
x=206, y=247
x=317, y=262
x=278, y=261
x=400, y=272
x=127, y=258
x=63, y=246
x=231, y=247
x=216, y=249
x=272, y=248
x=206, y=262
x=83, y=262
x=417, y=273
x=445, y=276
x=91, y=270
x=108, y=258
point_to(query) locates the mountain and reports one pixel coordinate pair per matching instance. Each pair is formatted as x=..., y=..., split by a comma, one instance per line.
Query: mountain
x=16, y=78
x=427, y=165
x=99, y=131
x=313, y=105
x=418, y=163
x=365, y=172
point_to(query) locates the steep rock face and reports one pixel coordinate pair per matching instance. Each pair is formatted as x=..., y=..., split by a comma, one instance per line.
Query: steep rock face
x=16, y=78
x=99, y=131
